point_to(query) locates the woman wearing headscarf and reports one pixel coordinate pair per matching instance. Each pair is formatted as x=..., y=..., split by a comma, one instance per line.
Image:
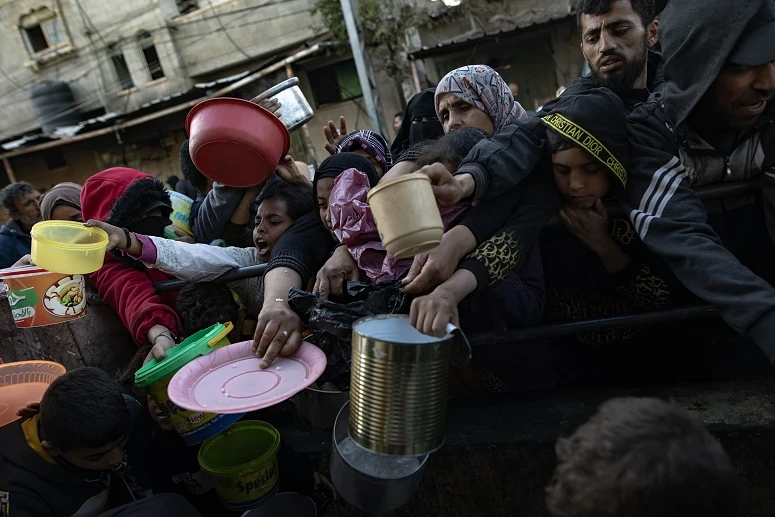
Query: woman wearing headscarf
x=331, y=168
x=470, y=96
x=370, y=145
x=62, y=203
x=476, y=96
x=420, y=124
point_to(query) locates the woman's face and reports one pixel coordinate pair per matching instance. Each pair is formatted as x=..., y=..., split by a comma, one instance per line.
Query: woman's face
x=63, y=212
x=324, y=187
x=272, y=220
x=455, y=113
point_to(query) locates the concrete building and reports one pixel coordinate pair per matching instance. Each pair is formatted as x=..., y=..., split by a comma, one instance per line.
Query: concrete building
x=88, y=87
x=533, y=43
x=90, y=84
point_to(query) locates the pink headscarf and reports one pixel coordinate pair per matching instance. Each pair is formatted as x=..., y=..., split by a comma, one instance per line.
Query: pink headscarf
x=482, y=87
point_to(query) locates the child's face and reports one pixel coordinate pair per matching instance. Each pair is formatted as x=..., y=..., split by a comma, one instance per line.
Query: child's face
x=373, y=161
x=98, y=459
x=579, y=177
x=324, y=187
x=272, y=220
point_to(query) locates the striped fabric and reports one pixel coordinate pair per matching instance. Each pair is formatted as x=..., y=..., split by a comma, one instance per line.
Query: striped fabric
x=663, y=185
x=369, y=141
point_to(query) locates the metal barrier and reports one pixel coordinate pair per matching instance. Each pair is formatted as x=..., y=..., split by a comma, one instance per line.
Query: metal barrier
x=577, y=327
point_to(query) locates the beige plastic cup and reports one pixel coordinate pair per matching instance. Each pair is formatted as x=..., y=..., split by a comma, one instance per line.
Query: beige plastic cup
x=407, y=216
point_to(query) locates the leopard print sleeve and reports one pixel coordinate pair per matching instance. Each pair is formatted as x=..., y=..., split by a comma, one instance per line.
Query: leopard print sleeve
x=499, y=254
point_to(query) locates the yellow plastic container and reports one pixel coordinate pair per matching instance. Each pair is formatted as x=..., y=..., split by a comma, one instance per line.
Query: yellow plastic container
x=68, y=247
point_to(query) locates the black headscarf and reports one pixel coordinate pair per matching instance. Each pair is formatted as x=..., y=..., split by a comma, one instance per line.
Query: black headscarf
x=336, y=164
x=421, y=105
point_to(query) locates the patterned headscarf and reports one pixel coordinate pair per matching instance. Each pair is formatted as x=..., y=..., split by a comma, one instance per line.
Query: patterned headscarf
x=482, y=87
x=368, y=141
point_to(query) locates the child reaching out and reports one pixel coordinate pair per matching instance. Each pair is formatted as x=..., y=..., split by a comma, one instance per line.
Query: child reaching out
x=279, y=204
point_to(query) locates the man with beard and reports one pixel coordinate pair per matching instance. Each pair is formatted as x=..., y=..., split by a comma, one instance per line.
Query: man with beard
x=711, y=123
x=22, y=202
x=616, y=36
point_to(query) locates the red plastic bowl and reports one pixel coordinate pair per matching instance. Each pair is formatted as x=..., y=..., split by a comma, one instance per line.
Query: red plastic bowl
x=235, y=142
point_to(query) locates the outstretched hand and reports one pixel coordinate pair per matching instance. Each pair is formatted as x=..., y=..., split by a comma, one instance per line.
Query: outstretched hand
x=26, y=260
x=290, y=173
x=29, y=411
x=337, y=270
x=448, y=190
x=332, y=137
x=278, y=332
x=271, y=105
x=116, y=236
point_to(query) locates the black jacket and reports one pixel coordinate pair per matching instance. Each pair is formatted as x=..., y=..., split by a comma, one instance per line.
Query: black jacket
x=669, y=158
x=35, y=487
x=304, y=247
x=14, y=243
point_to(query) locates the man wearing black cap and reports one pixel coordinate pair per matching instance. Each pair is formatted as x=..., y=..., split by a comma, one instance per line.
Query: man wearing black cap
x=712, y=123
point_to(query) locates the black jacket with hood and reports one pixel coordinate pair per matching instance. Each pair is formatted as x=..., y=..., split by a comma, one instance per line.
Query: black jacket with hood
x=669, y=158
x=34, y=485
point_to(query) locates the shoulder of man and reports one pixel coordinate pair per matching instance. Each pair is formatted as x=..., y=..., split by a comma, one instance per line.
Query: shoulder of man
x=648, y=126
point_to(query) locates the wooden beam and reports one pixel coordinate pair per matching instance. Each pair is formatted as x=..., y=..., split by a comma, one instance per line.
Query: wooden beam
x=9, y=170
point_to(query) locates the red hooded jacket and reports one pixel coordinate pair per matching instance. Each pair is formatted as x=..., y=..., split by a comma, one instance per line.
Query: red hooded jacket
x=115, y=196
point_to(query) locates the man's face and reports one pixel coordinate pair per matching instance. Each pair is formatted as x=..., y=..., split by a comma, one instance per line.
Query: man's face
x=98, y=459
x=616, y=46
x=27, y=208
x=397, y=120
x=738, y=96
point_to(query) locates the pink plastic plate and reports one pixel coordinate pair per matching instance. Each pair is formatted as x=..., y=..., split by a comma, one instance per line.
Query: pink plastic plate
x=229, y=380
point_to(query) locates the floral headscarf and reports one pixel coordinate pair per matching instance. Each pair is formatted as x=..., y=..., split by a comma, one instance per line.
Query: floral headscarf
x=482, y=87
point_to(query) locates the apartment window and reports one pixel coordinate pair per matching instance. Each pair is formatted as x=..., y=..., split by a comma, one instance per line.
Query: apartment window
x=42, y=30
x=54, y=158
x=187, y=6
x=120, y=68
x=335, y=83
x=145, y=40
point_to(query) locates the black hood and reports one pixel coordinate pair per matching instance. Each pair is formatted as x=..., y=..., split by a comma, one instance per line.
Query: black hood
x=697, y=36
x=141, y=196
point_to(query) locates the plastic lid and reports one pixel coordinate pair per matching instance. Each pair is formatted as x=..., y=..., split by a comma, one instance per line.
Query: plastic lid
x=178, y=356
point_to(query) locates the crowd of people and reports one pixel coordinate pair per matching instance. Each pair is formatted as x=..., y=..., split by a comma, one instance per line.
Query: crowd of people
x=591, y=208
